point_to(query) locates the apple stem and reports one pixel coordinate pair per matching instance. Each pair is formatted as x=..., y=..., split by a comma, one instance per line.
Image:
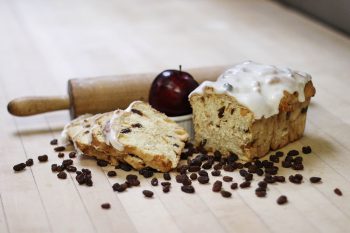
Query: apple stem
x=180, y=67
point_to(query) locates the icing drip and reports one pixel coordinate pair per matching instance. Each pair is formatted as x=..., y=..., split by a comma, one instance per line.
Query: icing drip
x=258, y=87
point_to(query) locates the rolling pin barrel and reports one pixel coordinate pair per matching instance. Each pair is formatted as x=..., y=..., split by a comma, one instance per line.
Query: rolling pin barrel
x=102, y=94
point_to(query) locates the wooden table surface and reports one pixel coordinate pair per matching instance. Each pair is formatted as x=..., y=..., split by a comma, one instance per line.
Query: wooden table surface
x=44, y=43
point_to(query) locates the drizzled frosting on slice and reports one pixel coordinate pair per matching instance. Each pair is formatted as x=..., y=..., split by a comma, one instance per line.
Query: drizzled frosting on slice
x=258, y=87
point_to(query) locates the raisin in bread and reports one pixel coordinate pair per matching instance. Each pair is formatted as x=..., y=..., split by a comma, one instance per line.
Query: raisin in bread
x=79, y=131
x=251, y=109
x=100, y=143
x=144, y=133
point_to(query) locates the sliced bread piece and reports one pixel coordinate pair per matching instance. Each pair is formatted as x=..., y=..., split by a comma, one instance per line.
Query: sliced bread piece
x=79, y=132
x=100, y=142
x=147, y=134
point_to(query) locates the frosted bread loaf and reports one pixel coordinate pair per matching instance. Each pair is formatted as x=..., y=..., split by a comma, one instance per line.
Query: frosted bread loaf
x=144, y=133
x=251, y=109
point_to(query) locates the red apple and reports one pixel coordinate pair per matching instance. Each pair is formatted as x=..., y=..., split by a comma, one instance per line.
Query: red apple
x=169, y=92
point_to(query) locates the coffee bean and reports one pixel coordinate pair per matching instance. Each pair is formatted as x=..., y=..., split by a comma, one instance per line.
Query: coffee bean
x=165, y=183
x=89, y=182
x=243, y=172
x=226, y=194
x=338, y=192
x=54, y=142
x=262, y=184
x=282, y=200
x=146, y=172
x=186, y=181
x=194, y=168
x=298, y=167
x=193, y=176
x=259, y=172
x=249, y=177
x=227, y=178
x=195, y=162
x=245, y=184
x=154, y=182
x=293, y=153
x=271, y=170
x=102, y=163
x=306, y=149
x=134, y=182
x=203, y=173
x=274, y=158
x=125, y=167
x=286, y=164
x=207, y=165
x=267, y=164
x=119, y=187
x=62, y=175
x=228, y=168
x=260, y=192
x=217, y=186
x=19, y=167
x=29, y=162
x=269, y=179
x=166, y=189
x=111, y=173
x=166, y=176
x=280, y=179
x=279, y=153
x=67, y=162
x=247, y=164
x=234, y=186
x=188, y=189
x=232, y=158
x=59, y=148
x=315, y=179
x=217, y=166
x=60, y=155
x=296, y=179
x=216, y=173
x=54, y=167
x=60, y=168
x=43, y=158
x=298, y=160
x=131, y=177
x=298, y=176
x=106, y=206
x=71, y=169
x=147, y=193
x=203, y=179
x=217, y=155
x=72, y=154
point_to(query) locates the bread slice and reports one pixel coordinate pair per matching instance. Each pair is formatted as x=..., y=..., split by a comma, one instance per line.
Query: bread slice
x=144, y=133
x=79, y=131
x=100, y=142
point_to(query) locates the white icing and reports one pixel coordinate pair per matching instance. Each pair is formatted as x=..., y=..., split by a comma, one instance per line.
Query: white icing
x=112, y=130
x=258, y=87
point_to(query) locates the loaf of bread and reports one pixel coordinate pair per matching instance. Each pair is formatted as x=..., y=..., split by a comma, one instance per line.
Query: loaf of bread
x=144, y=133
x=251, y=109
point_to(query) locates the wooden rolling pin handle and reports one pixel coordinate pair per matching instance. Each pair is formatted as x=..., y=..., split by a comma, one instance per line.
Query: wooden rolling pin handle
x=28, y=106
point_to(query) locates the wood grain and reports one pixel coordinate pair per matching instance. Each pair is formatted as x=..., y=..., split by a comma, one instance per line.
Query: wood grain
x=43, y=44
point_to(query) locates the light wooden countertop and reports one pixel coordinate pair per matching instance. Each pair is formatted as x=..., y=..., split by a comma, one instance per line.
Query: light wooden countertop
x=44, y=43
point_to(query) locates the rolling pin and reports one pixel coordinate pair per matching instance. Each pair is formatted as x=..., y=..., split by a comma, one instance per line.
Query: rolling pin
x=101, y=94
